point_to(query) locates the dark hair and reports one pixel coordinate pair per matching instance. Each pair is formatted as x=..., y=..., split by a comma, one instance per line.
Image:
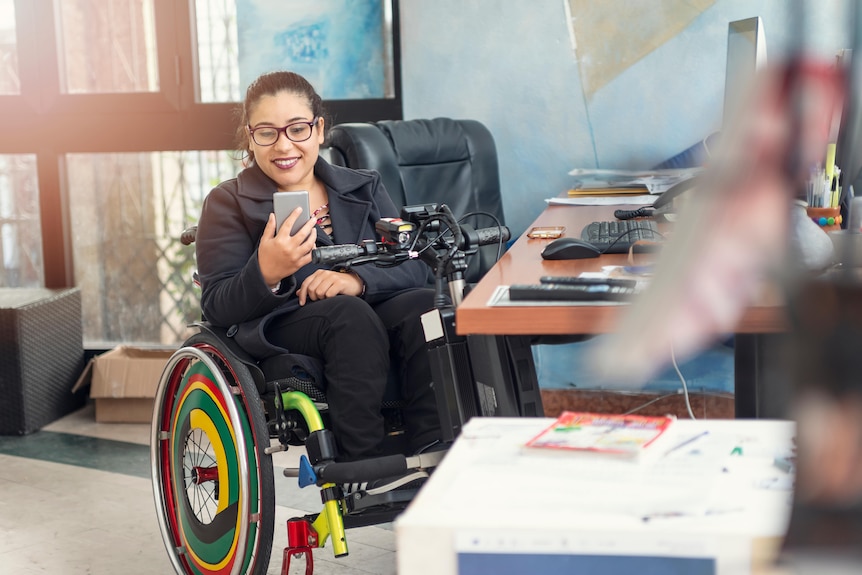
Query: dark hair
x=270, y=84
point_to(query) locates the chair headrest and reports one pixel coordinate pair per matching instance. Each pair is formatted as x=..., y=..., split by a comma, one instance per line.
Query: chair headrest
x=412, y=141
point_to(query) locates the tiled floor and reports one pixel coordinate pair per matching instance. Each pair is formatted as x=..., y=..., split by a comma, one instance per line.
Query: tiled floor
x=75, y=498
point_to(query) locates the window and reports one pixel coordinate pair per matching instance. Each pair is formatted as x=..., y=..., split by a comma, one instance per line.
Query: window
x=20, y=233
x=218, y=66
x=128, y=211
x=107, y=46
x=9, y=82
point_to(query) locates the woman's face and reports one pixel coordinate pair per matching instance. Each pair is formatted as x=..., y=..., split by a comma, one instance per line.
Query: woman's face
x=290, y=164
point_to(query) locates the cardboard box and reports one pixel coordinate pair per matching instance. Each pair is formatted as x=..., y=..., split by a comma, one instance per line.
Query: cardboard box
x=123, y=383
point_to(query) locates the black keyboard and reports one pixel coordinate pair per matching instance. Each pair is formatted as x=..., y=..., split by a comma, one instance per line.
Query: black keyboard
x=617, y=236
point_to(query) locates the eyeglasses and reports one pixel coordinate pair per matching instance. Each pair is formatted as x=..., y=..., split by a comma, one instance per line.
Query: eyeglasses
x=296, y=132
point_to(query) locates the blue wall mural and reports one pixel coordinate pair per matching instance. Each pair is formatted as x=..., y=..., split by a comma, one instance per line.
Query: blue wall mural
x=338, y=45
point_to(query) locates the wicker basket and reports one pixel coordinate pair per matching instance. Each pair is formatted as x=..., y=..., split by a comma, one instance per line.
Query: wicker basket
x=42, y=356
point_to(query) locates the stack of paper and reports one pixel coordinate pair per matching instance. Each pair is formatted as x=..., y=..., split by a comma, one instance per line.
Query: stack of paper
x=615, y=182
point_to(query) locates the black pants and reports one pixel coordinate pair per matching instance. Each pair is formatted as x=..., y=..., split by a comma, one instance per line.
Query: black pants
x=357, y=342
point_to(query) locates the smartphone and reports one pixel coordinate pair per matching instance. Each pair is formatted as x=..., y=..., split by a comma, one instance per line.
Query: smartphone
x=285, y=202
x=546, y=232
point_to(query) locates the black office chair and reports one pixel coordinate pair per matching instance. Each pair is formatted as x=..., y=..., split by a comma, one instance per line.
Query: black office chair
x=443, y=161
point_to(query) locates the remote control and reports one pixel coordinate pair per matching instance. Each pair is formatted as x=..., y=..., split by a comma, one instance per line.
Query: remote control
x=570, y=280
x=567, y=292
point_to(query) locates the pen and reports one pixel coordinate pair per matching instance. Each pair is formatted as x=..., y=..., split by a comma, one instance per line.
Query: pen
x=836, y=187
x=688, y=441
x=671, y=514
x=830, y=159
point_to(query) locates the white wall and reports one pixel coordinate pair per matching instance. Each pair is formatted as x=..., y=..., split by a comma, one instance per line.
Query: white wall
x=510, y=64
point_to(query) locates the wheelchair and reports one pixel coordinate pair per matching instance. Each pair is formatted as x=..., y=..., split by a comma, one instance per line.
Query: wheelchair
x=219, y=415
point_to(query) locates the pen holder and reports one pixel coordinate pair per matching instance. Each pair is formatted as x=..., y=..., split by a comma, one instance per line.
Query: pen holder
x=827, y=218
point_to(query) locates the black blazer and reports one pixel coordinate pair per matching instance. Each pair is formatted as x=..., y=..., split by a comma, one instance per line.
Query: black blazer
x=232, y=220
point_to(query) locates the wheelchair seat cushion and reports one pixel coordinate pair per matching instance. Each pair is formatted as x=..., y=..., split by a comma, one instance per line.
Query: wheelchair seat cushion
x=305, y=374
x=297, y=372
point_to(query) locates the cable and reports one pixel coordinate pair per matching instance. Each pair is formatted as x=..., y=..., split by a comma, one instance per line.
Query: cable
x=682, y=380
x=641, y=212
x=650, y=402
x=630, y=231
x=667, y=395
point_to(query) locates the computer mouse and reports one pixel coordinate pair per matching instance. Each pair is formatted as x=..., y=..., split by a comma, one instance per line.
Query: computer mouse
x=570, y=249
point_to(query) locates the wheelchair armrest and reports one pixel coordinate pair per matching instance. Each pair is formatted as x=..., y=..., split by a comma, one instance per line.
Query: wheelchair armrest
x=188, y=235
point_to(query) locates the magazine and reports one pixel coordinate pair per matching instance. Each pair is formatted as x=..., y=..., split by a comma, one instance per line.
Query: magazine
x=608, y=433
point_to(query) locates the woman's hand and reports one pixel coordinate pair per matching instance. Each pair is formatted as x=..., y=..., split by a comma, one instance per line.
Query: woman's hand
x=281, y=254
x=327, y=283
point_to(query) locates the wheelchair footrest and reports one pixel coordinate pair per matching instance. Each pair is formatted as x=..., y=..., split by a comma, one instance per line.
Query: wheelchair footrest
x=382, y=510
x=362, y=501
x=373, y=517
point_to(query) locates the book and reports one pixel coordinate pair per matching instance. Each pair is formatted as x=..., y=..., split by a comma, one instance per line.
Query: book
x=598, y=432
x=609, y=191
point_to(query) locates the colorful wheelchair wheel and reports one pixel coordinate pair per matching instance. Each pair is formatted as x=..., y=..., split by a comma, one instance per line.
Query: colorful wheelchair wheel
x=212, y=481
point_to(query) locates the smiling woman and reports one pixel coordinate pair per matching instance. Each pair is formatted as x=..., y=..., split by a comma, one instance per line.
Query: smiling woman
x=285, y=103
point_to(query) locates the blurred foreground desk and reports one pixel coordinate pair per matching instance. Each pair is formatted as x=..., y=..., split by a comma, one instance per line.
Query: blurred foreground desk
x=760, y=385
x=719, y=506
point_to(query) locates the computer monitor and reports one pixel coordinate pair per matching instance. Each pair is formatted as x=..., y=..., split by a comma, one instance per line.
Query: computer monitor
x=849, y=139
x=746, y=54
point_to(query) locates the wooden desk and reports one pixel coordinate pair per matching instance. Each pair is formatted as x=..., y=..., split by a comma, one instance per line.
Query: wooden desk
x=759, y=332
